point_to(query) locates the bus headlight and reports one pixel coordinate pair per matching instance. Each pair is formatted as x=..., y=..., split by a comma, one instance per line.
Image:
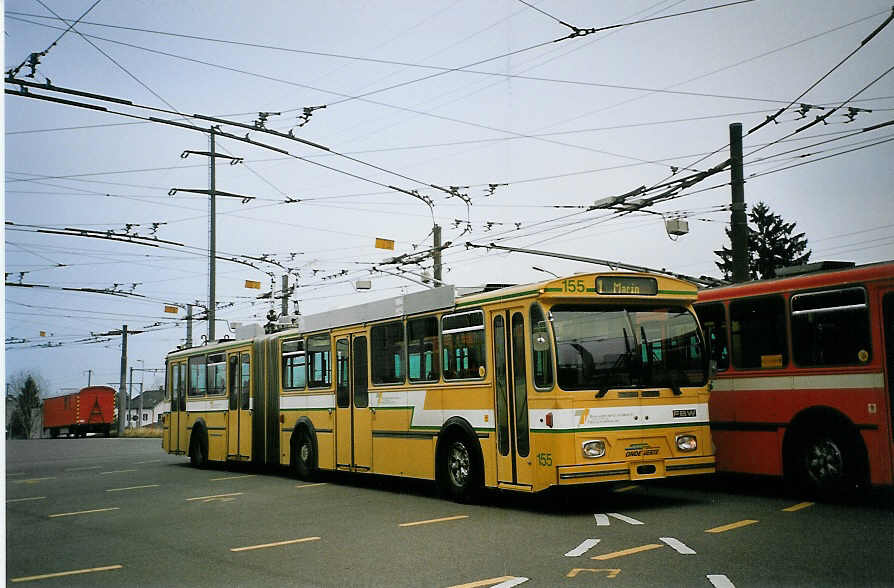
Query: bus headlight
x=594, y=449
x=687, y=442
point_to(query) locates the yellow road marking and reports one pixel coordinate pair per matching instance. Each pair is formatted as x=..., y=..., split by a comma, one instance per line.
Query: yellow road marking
x=310, y=485
x=80, y=512
x=612, y=573
x=277, y=544
x=115, y=472
x=69, y=573
x=625, y=489
x=630, y=551
x=25, y=499
x=214, y=496
x=34, y=480
x=731, y=526
x=232, y=477
x=441, y=520
x=797, y=507
x=133, y=488
x=83, y=468
x=480, y=583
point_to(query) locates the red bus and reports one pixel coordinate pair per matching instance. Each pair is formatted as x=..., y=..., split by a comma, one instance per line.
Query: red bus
x=803, y=387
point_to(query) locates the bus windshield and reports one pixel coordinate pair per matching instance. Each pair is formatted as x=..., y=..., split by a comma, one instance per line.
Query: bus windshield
x=602, y=347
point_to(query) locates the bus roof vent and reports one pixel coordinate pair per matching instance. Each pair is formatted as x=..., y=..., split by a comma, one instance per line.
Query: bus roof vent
x=810, y=268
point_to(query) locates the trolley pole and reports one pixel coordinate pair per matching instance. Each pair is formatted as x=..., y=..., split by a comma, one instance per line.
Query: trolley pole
x=738, y=222
x=122, y=387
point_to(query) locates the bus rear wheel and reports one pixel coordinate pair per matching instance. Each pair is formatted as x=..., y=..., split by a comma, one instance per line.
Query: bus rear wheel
x=303, y=455
x=198, y=452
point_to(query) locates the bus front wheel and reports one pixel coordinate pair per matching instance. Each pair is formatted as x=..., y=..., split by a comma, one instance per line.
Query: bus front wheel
x=459, y=470
x=827, y=464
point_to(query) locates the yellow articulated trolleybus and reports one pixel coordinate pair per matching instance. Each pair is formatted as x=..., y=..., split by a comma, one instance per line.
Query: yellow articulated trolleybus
x=591, y=378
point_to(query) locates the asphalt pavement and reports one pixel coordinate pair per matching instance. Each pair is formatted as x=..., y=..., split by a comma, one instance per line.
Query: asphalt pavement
x=96, y=511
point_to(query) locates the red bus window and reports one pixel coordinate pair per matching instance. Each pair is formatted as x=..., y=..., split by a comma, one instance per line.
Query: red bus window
x=758, y=333
x=713, y=320
x=831, y=328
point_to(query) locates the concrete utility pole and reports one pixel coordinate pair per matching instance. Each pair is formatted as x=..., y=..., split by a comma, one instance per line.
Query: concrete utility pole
x=212, y=242
x=122, y=389
x=738, y=221
x=436, y=255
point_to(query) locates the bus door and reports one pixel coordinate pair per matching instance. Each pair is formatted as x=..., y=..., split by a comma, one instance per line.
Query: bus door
x=514, y=462
x=177, y=419
x=239, y=413
x=353, y=416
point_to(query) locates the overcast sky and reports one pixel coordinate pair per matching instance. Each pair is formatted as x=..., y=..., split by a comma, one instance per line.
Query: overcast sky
x=450, y=93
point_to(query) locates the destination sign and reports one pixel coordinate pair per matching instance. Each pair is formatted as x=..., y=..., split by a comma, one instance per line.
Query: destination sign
x=626, y=286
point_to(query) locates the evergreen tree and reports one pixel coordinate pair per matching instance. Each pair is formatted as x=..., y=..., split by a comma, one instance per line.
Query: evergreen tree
x=771, y=245
x=27, y=403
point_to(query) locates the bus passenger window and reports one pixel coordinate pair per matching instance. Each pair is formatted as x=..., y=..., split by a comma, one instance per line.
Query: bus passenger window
x=758, y=333
x=217, y=374
x=423, y=349
x=831, y=328
x=294, y=371
x=464, y=351
x=196, y=376
x=319, y=369
x=541, y=353
x=246, y=381
x=387, y=344
x=713, y=320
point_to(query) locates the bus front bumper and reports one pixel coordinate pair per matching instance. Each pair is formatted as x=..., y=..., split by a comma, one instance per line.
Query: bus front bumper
x=644, y=470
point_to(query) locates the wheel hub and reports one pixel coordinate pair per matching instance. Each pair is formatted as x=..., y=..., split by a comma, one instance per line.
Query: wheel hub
x=825, y=461
x=458, y=464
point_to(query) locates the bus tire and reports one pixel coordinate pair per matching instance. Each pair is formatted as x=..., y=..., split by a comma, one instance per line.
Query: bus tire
x=54, y=433
x=303, y=457
x=459, y=469
x=198, y=450
x=826, y=463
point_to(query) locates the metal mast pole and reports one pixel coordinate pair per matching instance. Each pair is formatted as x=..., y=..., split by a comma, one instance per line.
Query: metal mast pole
x=212, y=245
x=436, y=255
x=285, y=294
x=122, y=390
x=189, y=325
x=130, y=392
x=738, y=222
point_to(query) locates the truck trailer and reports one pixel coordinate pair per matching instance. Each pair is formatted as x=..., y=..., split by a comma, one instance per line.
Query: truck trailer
x=90, y=410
